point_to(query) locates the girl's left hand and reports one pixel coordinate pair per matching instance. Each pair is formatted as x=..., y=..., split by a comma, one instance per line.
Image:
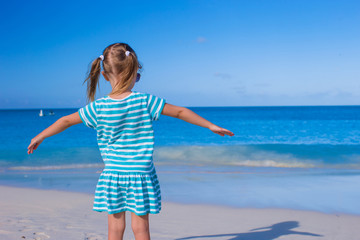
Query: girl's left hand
x=221, y=131
x=35, y=142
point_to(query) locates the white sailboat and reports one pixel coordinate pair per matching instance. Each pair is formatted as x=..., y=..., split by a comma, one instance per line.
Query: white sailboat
x=41, y=114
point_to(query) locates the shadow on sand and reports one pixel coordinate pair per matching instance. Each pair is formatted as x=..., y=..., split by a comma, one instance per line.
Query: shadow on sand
x=275, y=231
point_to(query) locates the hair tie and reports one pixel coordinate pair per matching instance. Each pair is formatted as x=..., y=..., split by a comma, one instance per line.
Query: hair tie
x=101, y=57
x=127, y=53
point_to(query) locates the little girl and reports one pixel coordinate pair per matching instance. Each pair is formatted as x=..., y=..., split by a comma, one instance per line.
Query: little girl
x=123, y=121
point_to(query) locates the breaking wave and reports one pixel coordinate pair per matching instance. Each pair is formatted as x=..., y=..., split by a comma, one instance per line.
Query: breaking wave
x=56, y=167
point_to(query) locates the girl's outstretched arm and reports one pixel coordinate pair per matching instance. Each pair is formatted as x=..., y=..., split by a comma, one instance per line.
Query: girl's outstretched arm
x=60, y=125
x=191, y=117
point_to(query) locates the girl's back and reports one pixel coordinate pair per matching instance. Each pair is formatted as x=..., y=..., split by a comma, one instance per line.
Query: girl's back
x=125, y=137
x=124, y=130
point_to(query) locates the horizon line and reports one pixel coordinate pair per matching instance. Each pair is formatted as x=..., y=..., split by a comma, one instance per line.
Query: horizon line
x=348, y=105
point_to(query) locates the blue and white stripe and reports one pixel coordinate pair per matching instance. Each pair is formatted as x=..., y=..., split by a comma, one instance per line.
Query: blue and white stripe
x=126, y=142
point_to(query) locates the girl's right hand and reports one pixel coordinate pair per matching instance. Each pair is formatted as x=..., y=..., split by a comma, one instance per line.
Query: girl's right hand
x=221, y=131
x=35, y=142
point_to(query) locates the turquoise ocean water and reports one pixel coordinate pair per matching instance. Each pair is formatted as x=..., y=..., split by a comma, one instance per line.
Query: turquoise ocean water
x=304, y=157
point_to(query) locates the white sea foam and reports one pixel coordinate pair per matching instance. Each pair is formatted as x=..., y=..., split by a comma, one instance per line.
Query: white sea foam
x=238, y=155
x=272, y=163
x=57, y=167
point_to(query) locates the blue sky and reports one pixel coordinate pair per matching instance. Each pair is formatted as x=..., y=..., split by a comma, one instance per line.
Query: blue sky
x=194, y=53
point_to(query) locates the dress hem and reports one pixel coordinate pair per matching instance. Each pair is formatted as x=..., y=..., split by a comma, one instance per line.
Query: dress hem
x=124, y=210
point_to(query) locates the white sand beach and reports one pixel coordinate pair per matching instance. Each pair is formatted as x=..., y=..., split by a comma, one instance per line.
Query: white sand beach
x=47, y=214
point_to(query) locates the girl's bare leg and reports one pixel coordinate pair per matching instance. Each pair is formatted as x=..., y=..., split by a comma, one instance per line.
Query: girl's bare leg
x=116, y=226
x=140, y=226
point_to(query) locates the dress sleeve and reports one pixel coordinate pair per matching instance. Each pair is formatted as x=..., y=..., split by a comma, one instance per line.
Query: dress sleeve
x=88, y=115
x=155, y=106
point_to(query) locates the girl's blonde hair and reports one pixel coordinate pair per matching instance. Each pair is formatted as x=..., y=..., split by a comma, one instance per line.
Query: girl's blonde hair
x=117, y=63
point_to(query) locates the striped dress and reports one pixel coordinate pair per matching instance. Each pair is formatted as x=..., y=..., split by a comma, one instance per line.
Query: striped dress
x=125, y=137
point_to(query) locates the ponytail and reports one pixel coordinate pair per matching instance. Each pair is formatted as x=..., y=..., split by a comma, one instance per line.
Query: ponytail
x=92, y=79
x=118, y=60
